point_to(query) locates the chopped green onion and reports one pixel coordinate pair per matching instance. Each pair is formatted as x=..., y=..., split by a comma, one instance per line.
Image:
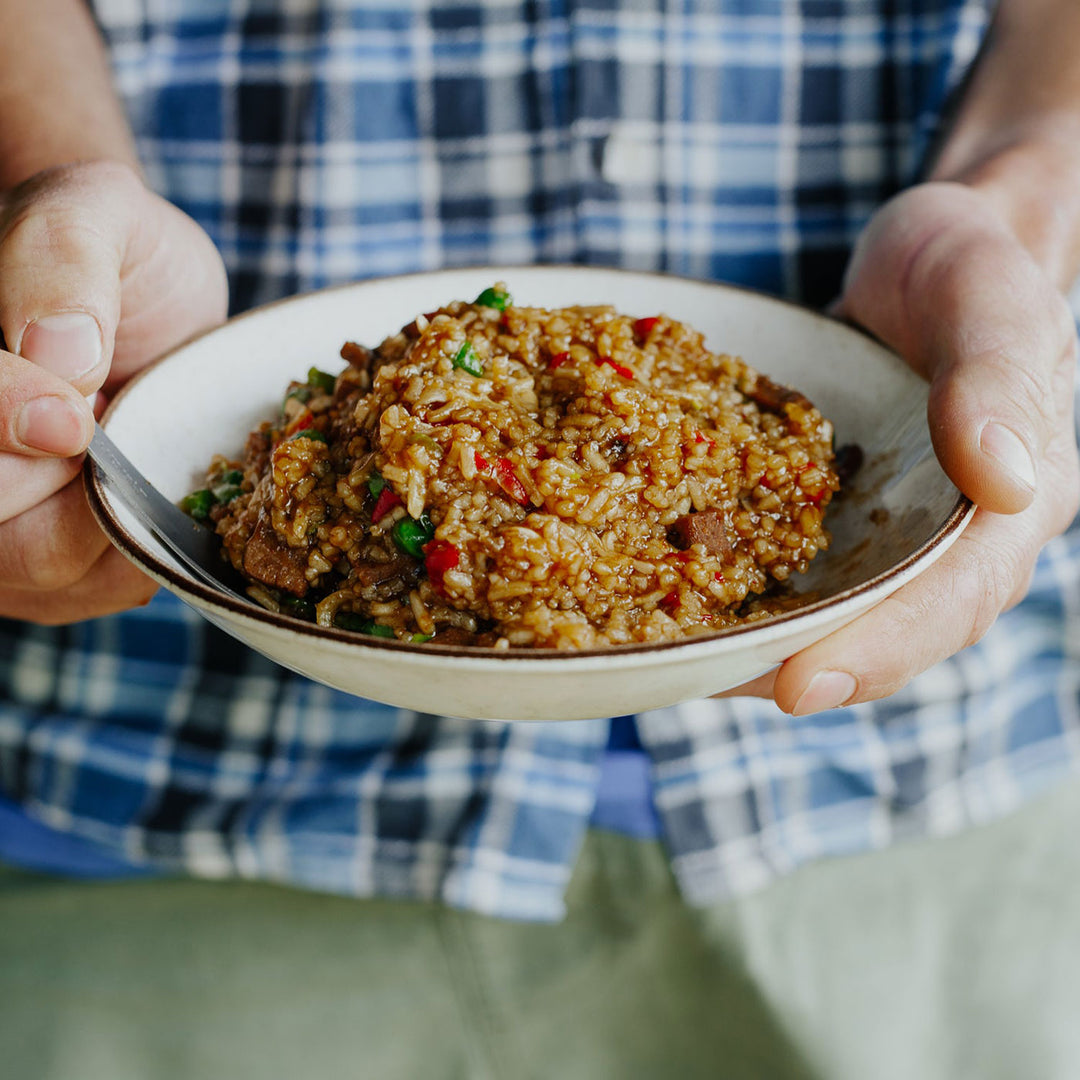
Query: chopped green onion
x=321, y=380
x=228, y=486
x=301, y=609
x=495, y=297
x=225, y=493
x=350, y=620
x=420, y=439
x=309, y=433
x=300, y=393
x=375, y=483
x=411, y=535
x=419, y=639
x=197, y=505
x=467, y=360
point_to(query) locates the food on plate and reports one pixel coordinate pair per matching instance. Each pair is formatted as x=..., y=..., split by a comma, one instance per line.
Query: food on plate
x=506, y=476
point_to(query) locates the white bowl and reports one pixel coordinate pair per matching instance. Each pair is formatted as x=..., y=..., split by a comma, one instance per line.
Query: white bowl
x=901, y=514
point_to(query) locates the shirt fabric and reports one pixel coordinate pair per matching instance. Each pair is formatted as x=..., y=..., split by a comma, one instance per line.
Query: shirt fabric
x=747, y=141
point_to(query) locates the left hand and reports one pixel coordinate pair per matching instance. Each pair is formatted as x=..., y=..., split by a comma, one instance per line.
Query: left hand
x=940, y=278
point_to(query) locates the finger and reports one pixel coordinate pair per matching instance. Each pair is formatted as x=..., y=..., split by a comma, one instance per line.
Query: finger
x=53, y=545
x=761, y=687
x=174, y=287
x=941, y=280
x=63, y=237
x=39, y=413
x=26, y=481
x=942, y=611
x=112, y=584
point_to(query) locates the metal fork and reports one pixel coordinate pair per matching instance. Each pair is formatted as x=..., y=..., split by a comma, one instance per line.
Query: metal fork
x=197, y=547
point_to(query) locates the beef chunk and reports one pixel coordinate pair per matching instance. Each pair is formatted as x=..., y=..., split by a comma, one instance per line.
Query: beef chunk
x=454, y=635
x=358, y=356
x=772, y=397
x=373, y=573
x=708, y=528
x=268, y=560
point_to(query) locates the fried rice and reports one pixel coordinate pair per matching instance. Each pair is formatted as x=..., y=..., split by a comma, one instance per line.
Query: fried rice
x=507, y=476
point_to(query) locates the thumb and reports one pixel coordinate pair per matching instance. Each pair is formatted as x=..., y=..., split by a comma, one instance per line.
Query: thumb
x=938, y=277
x=63, y=235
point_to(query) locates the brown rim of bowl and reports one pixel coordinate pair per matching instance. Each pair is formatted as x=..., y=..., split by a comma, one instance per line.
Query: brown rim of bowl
x=123, y=540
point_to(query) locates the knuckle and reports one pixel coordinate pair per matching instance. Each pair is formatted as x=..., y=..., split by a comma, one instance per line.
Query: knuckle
x=65, y=213
x=44, y=569
x=49, y=233
x=983, y=591
x=45, y=560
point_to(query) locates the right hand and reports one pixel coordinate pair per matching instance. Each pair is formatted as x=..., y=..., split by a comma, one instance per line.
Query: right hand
x=98, y=276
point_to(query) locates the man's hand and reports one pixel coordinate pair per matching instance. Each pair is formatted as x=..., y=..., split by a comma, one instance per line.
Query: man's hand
x=939, y=277
x=99, y=276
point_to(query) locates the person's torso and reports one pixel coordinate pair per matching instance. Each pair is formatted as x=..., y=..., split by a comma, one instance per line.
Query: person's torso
x=744, y=140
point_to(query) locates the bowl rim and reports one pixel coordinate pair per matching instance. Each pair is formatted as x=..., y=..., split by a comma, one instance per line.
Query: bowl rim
x=95, y=488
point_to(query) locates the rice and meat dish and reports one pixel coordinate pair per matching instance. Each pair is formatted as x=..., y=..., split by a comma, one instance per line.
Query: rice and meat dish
x=515, y=477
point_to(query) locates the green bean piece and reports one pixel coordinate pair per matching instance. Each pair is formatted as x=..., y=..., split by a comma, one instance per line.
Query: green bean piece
x=375, y=483
x=467, y=360
x=420, y=639
x=496, y=298
x=321, y=380
x=197, y=505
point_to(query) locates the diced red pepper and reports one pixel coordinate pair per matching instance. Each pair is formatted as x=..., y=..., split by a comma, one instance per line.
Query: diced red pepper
x=699, y=438
x=386, y=502
x=643, y=327
x=506, y=478
x=440, y=556
x=670, y=602
x=719, y=575
x=482, y=463
x=558, y=360
x=619, y=369
x=305, y=418
x=814, y=500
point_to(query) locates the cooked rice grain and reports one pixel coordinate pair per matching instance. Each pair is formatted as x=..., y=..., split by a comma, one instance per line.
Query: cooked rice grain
x=571, y=479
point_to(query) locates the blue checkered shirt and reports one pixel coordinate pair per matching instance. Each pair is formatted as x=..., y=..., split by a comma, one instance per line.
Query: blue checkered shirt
x=744, y=140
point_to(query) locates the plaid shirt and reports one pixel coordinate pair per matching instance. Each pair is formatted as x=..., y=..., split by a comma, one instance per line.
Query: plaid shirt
x=745, y=140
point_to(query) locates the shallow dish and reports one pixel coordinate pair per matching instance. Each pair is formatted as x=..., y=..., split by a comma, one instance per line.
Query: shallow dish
x=899, y=514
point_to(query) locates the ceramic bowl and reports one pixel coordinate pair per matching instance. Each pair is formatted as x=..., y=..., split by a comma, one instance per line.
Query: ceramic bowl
x=900, y=515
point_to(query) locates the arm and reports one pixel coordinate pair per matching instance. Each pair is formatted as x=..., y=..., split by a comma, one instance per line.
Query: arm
x=91, y=291
x=57, y=104
x=963, y=276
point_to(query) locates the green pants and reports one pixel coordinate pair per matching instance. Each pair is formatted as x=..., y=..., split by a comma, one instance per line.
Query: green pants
x=946, y=960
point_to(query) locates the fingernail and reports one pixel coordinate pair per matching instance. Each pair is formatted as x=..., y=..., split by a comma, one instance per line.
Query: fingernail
x=68, y=344
x=827, y=690
x=52, y=425
x=1009, y=451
